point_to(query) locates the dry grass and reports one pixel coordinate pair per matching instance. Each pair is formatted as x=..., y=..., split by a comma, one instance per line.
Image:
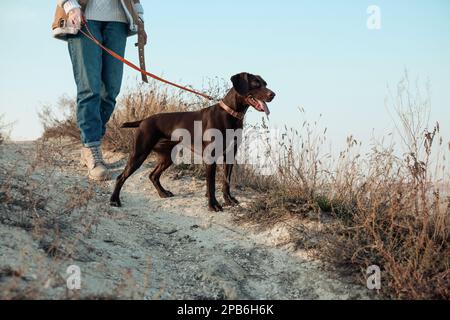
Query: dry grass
x=3, y=129
x=389, y=209
x=392, y=210
x=136, y=103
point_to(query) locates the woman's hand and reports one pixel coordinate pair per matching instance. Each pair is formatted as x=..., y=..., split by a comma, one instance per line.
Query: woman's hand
x=74, y=18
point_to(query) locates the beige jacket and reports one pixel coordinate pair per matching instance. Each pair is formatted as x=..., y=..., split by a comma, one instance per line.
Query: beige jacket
x=133, y=11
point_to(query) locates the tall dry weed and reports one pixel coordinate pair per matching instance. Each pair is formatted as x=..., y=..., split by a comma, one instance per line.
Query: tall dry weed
x=392, y=202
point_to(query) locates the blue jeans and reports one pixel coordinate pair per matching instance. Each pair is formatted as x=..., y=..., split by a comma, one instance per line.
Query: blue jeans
x=98, y=77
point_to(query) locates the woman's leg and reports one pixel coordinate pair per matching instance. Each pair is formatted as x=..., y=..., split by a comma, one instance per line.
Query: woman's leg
x=87, y=68
x=115, y=38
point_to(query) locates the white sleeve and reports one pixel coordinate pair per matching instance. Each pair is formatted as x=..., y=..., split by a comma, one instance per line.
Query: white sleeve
x=139, y=10
x=68, y=4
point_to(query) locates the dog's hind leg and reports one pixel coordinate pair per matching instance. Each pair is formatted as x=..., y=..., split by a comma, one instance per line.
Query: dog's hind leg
x=164, y=163
x=143, y=147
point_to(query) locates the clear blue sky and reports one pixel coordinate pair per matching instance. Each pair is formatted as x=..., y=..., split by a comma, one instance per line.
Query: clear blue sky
x=315, y=54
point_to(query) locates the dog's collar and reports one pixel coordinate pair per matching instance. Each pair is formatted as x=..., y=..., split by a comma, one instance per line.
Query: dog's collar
x=230, y=111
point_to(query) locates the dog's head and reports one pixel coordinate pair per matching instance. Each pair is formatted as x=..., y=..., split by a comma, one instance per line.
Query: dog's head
x=254, y=90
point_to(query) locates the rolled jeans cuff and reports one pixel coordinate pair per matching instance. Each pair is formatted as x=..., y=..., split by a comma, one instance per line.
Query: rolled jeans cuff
x=93, y=144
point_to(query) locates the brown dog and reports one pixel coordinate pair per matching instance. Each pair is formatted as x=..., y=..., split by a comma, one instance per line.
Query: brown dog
x=155, y=134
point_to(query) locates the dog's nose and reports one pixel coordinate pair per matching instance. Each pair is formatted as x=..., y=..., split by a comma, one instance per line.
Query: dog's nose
x=272, y=95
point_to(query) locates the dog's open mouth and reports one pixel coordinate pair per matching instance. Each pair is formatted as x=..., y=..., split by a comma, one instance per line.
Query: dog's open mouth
x=259, y=105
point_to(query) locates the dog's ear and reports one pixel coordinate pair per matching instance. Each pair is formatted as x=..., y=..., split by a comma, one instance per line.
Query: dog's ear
x=240, y=83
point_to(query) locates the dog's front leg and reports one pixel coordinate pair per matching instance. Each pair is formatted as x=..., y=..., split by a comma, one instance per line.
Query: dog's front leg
x=230, y=158
x=227, y=172
x=211, y=188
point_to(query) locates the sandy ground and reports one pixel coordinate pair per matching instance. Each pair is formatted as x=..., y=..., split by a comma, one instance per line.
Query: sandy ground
x=151, y=248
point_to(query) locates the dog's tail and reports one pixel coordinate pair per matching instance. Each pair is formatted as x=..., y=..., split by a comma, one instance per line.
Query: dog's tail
x=132, y=124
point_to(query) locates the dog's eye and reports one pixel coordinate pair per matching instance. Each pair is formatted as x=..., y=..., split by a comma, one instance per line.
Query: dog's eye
x=256, y=84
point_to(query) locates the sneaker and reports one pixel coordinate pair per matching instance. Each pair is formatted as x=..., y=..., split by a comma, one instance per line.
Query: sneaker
x=92, y=158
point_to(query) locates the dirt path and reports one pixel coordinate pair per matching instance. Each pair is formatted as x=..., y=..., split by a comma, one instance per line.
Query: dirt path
x=151, y=248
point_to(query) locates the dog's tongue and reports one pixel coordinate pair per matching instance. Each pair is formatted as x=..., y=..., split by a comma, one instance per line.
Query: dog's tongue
x=262, y=106
x=265, y=107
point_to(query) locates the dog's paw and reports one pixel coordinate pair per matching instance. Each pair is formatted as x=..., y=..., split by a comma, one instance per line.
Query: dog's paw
x=231, y=201
x=115, y=203
x=214, y=206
